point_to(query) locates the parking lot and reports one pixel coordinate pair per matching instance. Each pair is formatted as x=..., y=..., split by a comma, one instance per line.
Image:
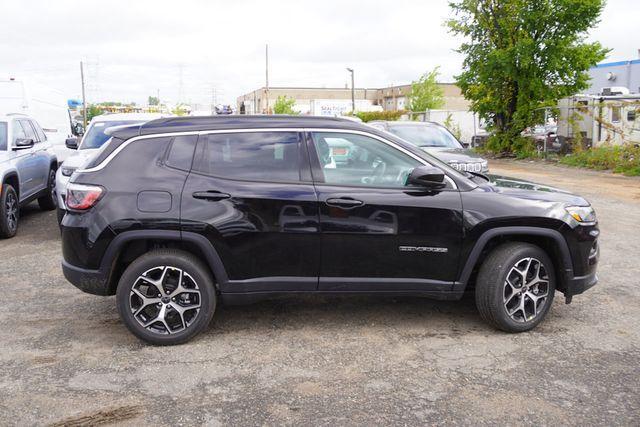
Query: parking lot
x=65, y=357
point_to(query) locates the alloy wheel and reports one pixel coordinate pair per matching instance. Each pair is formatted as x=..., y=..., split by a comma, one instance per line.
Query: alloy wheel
x=165, y=300
x=11, y=210
x=526, y=290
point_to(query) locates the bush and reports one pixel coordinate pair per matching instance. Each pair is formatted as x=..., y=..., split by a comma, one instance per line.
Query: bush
x=620, y=159
x=368, y=116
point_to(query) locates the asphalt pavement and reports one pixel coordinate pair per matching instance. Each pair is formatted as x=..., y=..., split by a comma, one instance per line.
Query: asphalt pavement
x=66, y=359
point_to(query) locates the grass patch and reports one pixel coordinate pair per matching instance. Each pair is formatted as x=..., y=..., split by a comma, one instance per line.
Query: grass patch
x=619, y=159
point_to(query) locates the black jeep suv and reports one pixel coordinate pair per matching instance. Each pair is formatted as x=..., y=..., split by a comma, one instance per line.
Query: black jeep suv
x=179, y=214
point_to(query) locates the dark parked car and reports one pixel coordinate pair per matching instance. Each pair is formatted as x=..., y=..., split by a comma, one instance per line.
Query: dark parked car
x=437, y=140
x=180, y=214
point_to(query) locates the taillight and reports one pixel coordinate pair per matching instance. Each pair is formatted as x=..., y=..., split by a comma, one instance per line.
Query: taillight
x=81, y=197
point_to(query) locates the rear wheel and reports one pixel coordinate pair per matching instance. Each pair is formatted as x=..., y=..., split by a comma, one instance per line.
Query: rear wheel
x=515, y=287
x=49, y=201
x=9, y=211
x=166, y=297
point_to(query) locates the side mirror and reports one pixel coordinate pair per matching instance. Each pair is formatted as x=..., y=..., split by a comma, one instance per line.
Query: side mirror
x=427, y=176
x=23, y=143
x=71, y=143
x=464, y=144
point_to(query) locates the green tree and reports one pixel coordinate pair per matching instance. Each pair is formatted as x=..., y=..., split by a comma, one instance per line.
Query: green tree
x=426, y=94
x=284, y=105
x=153, y=100
x=92, y=111
x=521, y=55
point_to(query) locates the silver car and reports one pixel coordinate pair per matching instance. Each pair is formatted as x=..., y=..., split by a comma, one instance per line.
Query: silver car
x=438, y=141
x=27, y=169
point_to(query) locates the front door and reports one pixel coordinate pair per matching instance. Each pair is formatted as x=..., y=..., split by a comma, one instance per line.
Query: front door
x=25, y=162
x=378, y=233
x=251, y=195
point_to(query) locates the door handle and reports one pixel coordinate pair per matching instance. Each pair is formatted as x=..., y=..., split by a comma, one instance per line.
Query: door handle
x=344, y=202
x=212, y=195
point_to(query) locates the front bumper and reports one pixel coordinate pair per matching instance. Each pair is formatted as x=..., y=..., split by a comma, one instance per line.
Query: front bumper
x=90, y=281
x=578, y=285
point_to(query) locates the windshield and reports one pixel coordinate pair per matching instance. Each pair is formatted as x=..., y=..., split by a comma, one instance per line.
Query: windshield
x=3, y=135
x=425, y=135
x=95, y=136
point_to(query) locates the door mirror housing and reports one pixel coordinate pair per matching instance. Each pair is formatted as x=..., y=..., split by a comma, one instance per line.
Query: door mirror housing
x=71, y=143
x=427, y=176
x=23, y=143
x=464, y=144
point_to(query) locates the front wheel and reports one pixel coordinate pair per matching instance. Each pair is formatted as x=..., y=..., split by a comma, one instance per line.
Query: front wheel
x=49, y=201
x=166, y=297
x=9, y=211
x=515, y=287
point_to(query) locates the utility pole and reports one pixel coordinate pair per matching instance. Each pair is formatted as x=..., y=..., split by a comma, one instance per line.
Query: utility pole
x=84, y=99
x=353, y=92
x=266, y=57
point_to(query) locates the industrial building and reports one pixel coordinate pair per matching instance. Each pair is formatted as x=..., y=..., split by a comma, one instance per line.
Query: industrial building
x=336, y=101
x=625, y=74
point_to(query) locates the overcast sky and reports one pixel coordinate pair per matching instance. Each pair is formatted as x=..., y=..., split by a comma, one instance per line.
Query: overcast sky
x=190, y=48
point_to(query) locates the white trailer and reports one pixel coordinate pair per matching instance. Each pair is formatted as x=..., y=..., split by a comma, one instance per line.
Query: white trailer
x=46, y=105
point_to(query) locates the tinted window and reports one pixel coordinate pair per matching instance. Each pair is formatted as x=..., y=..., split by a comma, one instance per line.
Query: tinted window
x=181, y=152
x=3, y=135
x=28, y=130
x=357, y=160
x=95, y=136
x=255, y=156
x=425, y=135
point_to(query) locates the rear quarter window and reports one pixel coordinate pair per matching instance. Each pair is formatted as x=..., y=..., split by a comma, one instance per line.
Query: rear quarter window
x=180, y=153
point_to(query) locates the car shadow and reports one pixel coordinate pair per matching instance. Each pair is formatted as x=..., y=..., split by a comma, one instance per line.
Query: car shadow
x=308, y=311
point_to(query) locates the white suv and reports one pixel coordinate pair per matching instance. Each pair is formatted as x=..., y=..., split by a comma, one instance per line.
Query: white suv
x=27, y=169
x=92, y=140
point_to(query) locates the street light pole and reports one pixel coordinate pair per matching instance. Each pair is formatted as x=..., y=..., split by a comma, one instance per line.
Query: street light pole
x=353, y=92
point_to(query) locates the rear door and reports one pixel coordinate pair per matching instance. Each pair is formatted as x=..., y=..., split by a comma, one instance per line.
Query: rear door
x=251, y=195
x=378, y=233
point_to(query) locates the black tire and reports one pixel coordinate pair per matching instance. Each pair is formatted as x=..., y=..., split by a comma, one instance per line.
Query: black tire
x=49, y=201
x=157, y=262
x=9, y=212
x=495, y=297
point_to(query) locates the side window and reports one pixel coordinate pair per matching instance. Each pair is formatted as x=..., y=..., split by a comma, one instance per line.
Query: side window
x=357, y=160
x=255, y=156
x=28, y=130
x=181, y=152
x=41, y=135
x=615, y=114
x=3, y=136
x=18, y=131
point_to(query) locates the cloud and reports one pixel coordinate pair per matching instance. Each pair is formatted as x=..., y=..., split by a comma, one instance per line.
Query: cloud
x=134, y=48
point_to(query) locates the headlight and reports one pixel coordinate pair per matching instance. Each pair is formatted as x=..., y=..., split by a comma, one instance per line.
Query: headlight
x=585, y=215
x=67, y=171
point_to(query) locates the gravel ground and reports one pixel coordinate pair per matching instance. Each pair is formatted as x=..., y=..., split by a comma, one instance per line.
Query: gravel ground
x=66, y=359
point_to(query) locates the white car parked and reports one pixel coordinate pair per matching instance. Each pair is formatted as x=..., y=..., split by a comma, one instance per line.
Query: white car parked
x=92, y=140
